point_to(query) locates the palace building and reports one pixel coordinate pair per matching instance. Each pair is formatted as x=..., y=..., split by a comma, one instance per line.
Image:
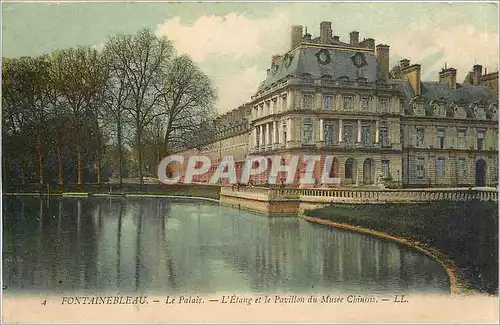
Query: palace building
x=326, y=96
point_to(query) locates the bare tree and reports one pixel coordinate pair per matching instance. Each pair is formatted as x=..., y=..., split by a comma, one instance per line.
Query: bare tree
x=77, y=75
x=141, y=59
x=188, y=96
x=26, y=84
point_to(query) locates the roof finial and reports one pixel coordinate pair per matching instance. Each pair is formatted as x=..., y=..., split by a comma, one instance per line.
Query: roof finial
x=445, y=65
x=306, y=30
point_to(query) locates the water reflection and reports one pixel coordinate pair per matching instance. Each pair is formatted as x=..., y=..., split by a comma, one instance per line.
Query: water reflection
x=164, y=246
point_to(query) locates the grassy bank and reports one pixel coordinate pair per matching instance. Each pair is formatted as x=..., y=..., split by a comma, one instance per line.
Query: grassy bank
x=465, y=232
x=207, y=191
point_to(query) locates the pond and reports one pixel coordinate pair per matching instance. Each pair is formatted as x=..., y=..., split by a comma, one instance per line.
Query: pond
x=159, y=245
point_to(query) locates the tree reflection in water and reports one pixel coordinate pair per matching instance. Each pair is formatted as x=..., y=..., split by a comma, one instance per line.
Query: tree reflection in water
x=168, y=246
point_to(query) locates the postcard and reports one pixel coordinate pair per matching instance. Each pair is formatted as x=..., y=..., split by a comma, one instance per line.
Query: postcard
x=250, y=162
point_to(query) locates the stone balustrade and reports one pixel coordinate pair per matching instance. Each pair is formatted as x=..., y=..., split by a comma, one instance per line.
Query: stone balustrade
x=364, y=195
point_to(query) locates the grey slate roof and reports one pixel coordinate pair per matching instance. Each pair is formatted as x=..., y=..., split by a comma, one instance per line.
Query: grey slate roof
x=463, y=92
x=340, y=65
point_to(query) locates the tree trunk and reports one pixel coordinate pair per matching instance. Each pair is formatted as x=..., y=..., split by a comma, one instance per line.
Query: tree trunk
x=59, y=166
x=120, y=151
x=139, y=149
x=79, y=163
x=39, y=160
x=98, y=166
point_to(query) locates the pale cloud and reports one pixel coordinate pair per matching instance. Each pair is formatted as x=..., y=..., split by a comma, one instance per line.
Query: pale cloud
x=461, y=45
x=233, y=34
x=237, y=86
x=232, y=38
x=235, y=49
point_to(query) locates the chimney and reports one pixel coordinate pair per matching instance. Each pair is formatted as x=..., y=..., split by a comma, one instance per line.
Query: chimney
x=296, y=35
x=354, y=38
x=477, y=71
x=307, y=37
x=412, y=74
x=448, y=77
x=336, y=38
x=383, y=58
x=325, y=32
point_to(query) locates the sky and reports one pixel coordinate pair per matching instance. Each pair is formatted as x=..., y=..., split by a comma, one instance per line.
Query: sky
x=233, y=42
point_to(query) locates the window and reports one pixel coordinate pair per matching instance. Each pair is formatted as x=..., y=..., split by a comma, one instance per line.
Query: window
x=268, y=108
x=440, y=167
x=348, y=134
x=327, y=102
x=385, y=169
x=440, y=138
x=275, y=106
x=349, y=168
x=348, y=103
x=257, y=138
x=461, y=139
x=420, y=174
x=442, y=110
x=480, y=140
x=364, y=103
x=420, y=137
x=283, y=104
x=462, y=168
x=307, y=101
x=461, y=113
x=384, y=105
x=307, y=131
x=284, y=132
x=366, y=135
x=328, y=134
x=384, y=135
x=479, y=112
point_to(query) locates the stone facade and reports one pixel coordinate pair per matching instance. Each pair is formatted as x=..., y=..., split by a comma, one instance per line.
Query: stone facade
x=328, y=97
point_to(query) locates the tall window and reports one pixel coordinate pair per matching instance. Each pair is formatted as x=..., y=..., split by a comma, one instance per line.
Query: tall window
x=480, y=112
x=275, y=106
x=349, y=168
x=283, y=104
x=462, y=168
x=440, y=138
x=461, y=139
x=440, y=165
x=442, y=110
x=348, y=134
x=420, y=168
x=348, y=103
x=307, y=131
x=385, y=169
x=384, y=105
x=366, y=135
x=327, y=102
x=307, y=101
x=328, y=134
x=268, y=108
x=480, y=140
x=284, y=132
x=257, y=137
x=384, y=135
x=420, y=137
x=364, y=103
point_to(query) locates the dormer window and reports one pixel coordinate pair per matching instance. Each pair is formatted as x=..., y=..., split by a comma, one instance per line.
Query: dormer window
x=479, y=112
x=441, y=110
